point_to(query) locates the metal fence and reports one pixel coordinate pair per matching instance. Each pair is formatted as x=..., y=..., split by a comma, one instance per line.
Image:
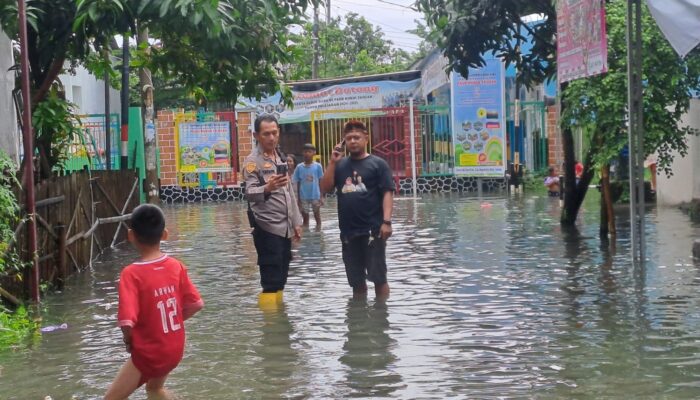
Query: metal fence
x=388, y=130
x=436, y=139
x=88, y=149
x=528, y=137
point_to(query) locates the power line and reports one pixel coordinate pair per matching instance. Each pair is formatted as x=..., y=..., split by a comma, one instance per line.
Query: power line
x=375, y=21
x=398, y=5
x=367, y=5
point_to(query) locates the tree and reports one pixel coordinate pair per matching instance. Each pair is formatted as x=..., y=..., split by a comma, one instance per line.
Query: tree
x=598, y=103
x=482, y=26
x=357, y=48
x=429, y=40
x=227, y=47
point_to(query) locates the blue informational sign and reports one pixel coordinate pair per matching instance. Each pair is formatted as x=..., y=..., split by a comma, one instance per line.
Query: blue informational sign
x=478, y=121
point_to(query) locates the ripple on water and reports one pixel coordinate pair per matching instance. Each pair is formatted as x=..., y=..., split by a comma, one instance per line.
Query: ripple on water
x=495, y=302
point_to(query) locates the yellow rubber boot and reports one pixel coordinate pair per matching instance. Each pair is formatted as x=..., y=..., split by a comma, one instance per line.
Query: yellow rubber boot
x=267, y=301
x=280, y=297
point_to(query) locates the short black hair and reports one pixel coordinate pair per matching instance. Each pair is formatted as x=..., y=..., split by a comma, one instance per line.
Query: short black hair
x=148, y=224
x=264, y=118
x=309, y=146
x=354, y=125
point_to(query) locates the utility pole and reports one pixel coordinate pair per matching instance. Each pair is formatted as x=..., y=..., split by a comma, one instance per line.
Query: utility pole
x=314, y=65
x=108, y=115
x=635, y=128
x=328, y=12
x=124, y=161
x=150, y=185
x=28, y=142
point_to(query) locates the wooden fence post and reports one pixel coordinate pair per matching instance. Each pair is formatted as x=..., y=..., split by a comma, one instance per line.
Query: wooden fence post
x=61, y=255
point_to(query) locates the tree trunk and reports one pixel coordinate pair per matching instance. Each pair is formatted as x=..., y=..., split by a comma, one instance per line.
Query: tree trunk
x=603, y=231
x=607, y=201
x=50, y=78
x=574, y=193
x=149, y=129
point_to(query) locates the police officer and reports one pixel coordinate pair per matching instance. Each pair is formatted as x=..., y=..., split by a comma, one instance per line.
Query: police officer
x=273, y=209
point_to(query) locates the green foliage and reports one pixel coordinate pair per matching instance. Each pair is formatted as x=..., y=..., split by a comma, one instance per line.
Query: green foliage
x=16, y=326
x=599, y=103
x=224, y=48
x=430, y=38
x=57, y=126
x=469, y=29
x=357, y=48
x=534, y=181
x=9, y=213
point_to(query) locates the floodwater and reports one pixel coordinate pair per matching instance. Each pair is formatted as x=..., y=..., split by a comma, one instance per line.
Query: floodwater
x=490, y=299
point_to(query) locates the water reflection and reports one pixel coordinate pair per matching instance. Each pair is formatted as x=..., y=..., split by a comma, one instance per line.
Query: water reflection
x=276, y=360
x=368, y=350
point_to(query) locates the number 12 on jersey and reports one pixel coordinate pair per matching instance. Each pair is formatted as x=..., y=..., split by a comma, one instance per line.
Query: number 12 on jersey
x=168, y=314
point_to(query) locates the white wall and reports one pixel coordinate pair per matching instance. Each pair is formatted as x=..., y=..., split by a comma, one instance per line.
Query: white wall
x=88, y=93
x=684, y=185
x=9, y=132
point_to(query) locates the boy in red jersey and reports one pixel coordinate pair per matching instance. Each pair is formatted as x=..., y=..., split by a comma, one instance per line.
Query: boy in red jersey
x=155, y=298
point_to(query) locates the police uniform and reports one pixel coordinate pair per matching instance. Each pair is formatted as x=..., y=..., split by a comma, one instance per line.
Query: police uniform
x=276, y=215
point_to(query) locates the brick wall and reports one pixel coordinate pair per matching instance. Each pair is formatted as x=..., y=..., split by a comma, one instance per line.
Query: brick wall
x=556, y=149
x=166, y=142
x=245, y=138
x=418, y=141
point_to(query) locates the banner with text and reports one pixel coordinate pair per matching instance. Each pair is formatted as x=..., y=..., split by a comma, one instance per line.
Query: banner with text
x=478, y=121
x=349, y=96
x=582, y=47
x=204, y=147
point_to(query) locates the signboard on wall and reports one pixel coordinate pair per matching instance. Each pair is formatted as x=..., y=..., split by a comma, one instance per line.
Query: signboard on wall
x=204, y=146
x=349, y=96
x=582, y=47
x=434, y=76
x=478, y=121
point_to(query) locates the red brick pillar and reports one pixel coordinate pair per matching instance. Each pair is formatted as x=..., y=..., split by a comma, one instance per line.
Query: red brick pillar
x=244, y=125
x=166, y=143
x=556, y=148
x=418, y=142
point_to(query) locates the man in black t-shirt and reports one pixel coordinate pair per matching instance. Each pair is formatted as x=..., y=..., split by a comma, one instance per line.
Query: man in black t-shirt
x=365, y=189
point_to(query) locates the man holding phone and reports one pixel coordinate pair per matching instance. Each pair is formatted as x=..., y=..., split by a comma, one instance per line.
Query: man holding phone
x=274, y=212
x=365, y=189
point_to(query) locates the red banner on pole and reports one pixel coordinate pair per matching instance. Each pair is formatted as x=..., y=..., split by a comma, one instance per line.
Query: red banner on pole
x=582, y=48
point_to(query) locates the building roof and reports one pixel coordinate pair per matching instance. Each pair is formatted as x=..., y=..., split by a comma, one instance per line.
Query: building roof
x=317, y=84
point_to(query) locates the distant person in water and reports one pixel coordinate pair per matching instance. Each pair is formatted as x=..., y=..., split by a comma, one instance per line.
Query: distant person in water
x=552, y=183
x=156, y=296
x=308, y=176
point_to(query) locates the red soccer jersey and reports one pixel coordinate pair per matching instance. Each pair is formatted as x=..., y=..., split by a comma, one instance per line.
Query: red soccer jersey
x=152, y=297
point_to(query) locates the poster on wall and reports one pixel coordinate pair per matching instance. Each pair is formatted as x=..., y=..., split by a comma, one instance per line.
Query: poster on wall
x=348, y=96
x=204, y=147
x=478, y=121
x=582, y=44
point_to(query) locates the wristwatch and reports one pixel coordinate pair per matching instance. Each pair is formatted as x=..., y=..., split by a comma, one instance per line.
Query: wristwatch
x=385, y=222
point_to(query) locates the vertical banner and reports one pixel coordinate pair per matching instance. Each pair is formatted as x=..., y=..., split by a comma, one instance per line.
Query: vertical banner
x=478, y=121
x=204, y=147
x=582, y=45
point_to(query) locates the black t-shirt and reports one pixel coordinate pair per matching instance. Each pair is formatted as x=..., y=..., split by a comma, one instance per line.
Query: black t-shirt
x=361, y=185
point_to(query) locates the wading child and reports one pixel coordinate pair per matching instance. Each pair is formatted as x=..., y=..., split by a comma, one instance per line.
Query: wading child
x=308, y=176
x=155, y=298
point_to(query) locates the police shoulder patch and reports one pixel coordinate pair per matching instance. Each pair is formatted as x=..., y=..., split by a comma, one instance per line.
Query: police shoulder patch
x=251, y=167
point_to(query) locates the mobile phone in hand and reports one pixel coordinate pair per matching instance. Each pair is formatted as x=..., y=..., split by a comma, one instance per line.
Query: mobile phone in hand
x=339, y=148
x=282, y=169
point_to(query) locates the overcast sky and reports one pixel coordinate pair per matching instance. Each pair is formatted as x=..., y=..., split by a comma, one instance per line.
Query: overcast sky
x=393, y=16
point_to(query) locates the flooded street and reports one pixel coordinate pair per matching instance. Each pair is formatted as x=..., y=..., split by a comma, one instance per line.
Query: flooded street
x=490, y=299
